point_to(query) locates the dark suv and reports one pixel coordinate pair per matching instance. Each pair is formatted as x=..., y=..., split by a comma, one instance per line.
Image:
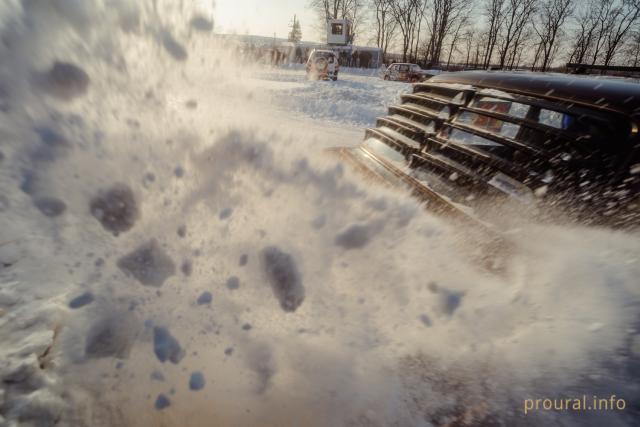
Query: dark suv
x=549, y=146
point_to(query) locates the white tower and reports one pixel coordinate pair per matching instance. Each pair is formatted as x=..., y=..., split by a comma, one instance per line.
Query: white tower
x=339, y=32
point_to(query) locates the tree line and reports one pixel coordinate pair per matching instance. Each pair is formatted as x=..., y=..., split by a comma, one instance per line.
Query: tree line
x=504, y=34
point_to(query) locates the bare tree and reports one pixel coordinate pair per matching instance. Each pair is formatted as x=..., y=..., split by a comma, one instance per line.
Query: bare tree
x=480, y=45
x=510, y=33
x=519, y=47
x=602, y=10
x=329, y=9
x=455, y=37
x=447, y=18
x=351, y=10
x=632, y=51
x=552, y=16
x=517, y=17
x=622, y=18
x=385, y=23
x=406, y=14
x=603, y=27
x=295, y=35
x=588, y=20
x=467, y=38
x=415, y=39
x=494, y=11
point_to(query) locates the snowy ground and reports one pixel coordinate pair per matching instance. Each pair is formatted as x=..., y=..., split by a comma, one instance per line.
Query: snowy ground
x=177, y=249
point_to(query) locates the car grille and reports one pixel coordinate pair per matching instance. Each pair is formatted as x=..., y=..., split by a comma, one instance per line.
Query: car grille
x=475, y=143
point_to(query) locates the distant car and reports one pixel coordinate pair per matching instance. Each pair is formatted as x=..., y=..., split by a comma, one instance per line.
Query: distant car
x=323, y=64
x=404, y=72
x=547, y=146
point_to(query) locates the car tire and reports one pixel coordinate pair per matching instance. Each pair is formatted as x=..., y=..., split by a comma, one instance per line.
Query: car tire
x=386, y=77
x=334, y=78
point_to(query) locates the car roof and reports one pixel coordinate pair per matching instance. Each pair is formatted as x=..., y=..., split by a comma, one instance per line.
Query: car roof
x=619, y=95
x=323, y=51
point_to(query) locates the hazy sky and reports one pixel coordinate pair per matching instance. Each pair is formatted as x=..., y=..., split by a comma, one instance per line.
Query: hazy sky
x=265, y=17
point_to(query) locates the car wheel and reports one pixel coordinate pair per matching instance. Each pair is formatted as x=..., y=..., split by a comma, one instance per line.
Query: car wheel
x=386, y=77
x=334, y=78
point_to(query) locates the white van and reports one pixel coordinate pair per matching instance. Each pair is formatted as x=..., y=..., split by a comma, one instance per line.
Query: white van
x=322, y=64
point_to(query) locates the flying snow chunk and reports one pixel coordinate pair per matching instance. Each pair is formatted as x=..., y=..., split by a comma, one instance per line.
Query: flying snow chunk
x=449, y=301
x=244, y=259
x=148, y=264
x=354, y=237
x=66, y=81
x=196, y=382
x=541, y=191
x=162, y=402
x=81, y=300
x=110, y=337
x=282, y=273
x=4, y=101
x=262, y=362
x=595, y=327
x=187, y=267
x=225, y=213
x=50, y=206
x=201, y=23
x=4, y=203
x=426, y=321
x=115, y=208
x=172, y=46
x=319, y=222
x=165, y=346
x=52, y=146
x=204, y=298
x=157, y=376
x=233, y=283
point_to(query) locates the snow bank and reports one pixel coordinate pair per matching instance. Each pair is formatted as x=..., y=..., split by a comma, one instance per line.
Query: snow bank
x=352, y=100
x=177, y=250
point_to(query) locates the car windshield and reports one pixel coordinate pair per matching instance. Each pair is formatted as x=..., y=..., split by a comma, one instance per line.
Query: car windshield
x=322, y=55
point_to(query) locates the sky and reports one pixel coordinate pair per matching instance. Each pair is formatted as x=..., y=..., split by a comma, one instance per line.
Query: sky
x=265, y=17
